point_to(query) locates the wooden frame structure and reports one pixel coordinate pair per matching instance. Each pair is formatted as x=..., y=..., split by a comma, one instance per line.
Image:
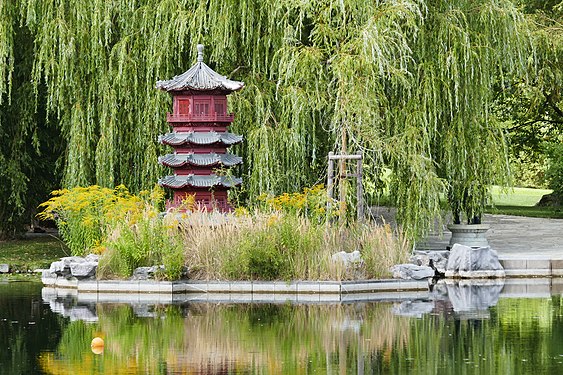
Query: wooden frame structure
x=358, y=158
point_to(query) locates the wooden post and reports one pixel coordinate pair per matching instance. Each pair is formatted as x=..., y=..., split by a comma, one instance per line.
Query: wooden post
x=359, y=179
x=360, y=189
x=330, y=181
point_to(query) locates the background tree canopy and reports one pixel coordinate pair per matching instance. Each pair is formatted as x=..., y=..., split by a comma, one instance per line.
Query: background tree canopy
x=408, y=82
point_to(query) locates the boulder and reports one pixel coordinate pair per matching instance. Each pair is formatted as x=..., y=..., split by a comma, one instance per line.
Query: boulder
x=4, y=268
x=59, y=268
x=146, y=273
x=473, y=262
x=84, y=270
x=426, y=258
x=75, y=266
x=412, y=271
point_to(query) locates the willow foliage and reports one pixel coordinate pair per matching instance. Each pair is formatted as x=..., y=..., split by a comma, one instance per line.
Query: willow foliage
x=408, y=82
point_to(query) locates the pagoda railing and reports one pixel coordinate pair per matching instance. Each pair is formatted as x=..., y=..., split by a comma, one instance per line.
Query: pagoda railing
x=170, y=117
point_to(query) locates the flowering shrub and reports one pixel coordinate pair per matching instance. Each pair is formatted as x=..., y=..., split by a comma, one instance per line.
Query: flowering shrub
x=85, y=214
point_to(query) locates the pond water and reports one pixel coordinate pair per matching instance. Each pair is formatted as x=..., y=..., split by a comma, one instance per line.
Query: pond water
x=468, y=330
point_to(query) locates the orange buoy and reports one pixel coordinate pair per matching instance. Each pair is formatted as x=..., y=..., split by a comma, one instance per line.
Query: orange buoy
x=97, y=345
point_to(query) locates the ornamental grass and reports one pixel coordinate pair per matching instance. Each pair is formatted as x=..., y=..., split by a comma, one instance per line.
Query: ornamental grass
x=289, y=237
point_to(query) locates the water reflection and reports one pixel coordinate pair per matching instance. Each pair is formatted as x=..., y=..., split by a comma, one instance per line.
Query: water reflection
x=459, y=328
x=27, y=327
x=459, y=299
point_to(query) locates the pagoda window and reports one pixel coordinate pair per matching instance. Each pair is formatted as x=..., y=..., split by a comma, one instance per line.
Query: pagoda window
x=220, y=106
x=201, y=107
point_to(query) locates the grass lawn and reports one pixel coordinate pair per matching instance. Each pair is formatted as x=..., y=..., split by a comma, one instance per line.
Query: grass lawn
x=30, y=254
x=517, y=196
x=521, y=202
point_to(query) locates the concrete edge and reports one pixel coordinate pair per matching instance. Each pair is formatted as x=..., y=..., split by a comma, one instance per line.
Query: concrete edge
x=236, y=287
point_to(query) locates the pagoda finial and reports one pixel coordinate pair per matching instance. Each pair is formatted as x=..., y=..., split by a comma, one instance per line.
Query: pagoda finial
x=200, y=52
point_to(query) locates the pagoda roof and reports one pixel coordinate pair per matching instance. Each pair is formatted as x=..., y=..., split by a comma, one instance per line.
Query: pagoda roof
x=200, y=138
x=200, y=160
x=199, y=77
x=178, y=182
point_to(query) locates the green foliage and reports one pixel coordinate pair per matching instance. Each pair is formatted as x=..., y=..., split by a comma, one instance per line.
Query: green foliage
x=29, y=145
x=284, y=248
x=528, y=169
x=554, y=173
x=126, y=229
x=152, y=240
x=84, y=215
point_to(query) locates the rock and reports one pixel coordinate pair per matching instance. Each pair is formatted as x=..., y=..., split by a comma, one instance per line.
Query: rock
x=92, y=258
x=438, y=258
x=4, y=268
x=473, y=262
x=59, y=269
x=146, y=273
x=353, y=258
x=75, y=266
x=411, y=271
x=84, y=270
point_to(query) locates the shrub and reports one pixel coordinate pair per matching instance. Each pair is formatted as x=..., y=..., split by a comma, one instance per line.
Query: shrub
x=84, y=214
x=152, y=240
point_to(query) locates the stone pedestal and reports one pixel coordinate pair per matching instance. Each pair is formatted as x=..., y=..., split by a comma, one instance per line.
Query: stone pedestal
x=469, y=235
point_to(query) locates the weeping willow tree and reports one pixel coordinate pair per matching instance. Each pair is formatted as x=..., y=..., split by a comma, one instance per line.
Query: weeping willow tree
x=407, y=82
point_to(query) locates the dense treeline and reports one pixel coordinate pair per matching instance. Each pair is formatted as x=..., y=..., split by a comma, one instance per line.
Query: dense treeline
x=418, y=86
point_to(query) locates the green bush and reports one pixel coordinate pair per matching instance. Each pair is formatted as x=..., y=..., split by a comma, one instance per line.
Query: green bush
x=151, y=241
x=85, y=215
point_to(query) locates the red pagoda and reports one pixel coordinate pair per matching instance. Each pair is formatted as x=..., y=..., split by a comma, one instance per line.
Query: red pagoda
x=199, y=137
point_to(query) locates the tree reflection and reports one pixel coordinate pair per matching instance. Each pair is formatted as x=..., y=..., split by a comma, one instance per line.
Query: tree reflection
x=514, y=336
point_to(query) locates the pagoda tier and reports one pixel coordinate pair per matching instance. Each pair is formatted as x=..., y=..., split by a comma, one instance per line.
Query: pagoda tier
x=200, y=160
x=180, y=182
x=200, y=139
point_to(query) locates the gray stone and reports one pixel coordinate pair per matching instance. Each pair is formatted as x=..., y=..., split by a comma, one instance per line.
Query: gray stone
x=473, y=262
x=4, y=268
x=411, y=271
x=92, y=258
x=146, y=273
x=59, y=268
x=438, y=258
x=76, y=266
x=84, y=270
